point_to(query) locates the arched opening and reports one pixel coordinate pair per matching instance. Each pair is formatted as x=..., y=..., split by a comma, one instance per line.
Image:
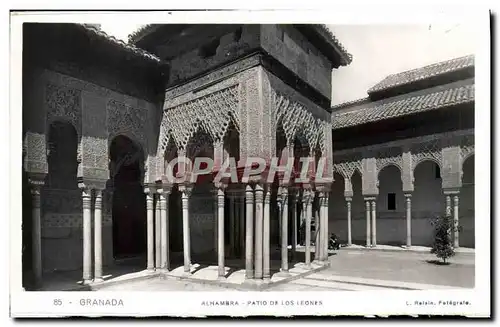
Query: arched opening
x=391, y=221
x=62, y=156
x=234, y=207
x=276, y=217
x=174, y=201
x=358, y=222
x=466, y=207
x=201, y=202
x=337, y=209
x=129, y=200
x=427, y=201
x=300, y=150
x=61, y=205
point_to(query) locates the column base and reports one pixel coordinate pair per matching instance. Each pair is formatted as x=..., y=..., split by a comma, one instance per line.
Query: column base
x=150, y=270
x=283, y=273
x=98, y=280
x=221, y=278
x=87, y=281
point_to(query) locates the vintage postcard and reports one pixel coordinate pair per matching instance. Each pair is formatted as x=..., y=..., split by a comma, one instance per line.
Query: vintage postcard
x=250, y=163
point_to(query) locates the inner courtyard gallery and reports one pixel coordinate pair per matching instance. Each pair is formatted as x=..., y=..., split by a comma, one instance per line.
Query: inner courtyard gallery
x=102, y=120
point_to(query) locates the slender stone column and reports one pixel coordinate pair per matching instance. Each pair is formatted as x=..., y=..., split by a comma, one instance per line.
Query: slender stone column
x=455, y=221
x=266, y=247
x=318, y=226
x=448, y=205
x=165, y=240
x=87, y=235
x=150, y=229
x=185, y=229
x=232, y=230
x=259, y=212
x=249, y=273
x=157, y=231
x=349, y=224
x=36, y=234
x=308, y=195
x=294, y=223
x=98, y=237
x=324, y=246
x=220, y=226
x=284, y=231
x=368, y=228
x=374, y=223
x=242, y=225
x=408, y=220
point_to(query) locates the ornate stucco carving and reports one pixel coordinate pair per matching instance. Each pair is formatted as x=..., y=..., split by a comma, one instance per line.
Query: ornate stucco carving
x=430, y=150
x=298, y=121
x=126, y=120
x=35, y=159
x=389, y=156
x=211, y=113
x=466, y=147
x=64, y=103
x=347, y=168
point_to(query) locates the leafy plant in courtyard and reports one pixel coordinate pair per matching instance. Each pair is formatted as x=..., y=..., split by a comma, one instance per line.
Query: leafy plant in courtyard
x=442, y=246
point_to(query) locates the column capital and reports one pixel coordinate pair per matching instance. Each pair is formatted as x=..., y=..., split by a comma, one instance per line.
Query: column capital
x=220, y=185
x=98, y=199
x=186, y=188
x=370, y=198
x=348, y=198
x=451, y=191
x=149, y=190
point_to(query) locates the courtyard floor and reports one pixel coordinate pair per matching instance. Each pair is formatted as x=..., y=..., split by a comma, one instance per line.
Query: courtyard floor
x=351, y=269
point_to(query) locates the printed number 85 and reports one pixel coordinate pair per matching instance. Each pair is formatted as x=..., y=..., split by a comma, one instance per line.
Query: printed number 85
x=57, y=302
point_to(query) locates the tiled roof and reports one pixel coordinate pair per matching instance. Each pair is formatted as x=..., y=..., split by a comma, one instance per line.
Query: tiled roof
x=322, y=29
x=409, y=105
x=141, y=31
x=426, y=72
x=349, y=103
x=128, y=47
x=346, y=57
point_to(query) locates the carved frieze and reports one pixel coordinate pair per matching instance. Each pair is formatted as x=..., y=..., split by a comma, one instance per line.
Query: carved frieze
x=347, y=168
x=297, y=120
x=126, y=120
x=212, y=113
x=64, y=103
x=466, y=147
x=35, y=160
x=389, y=156
x=430, y=150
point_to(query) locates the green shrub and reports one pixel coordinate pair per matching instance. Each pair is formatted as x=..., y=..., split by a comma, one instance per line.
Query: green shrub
x=443, y=242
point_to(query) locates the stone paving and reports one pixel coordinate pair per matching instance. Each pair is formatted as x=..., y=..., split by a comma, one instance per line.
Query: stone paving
x=350, y=270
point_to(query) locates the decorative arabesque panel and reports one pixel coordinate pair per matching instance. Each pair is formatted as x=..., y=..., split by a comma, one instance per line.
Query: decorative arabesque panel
x=466, y=147
x=212, y=113
x=126, y=120
x=430, y=150
x=389, y=156
x=347, y=168
x=64, y=103
x=297, y=120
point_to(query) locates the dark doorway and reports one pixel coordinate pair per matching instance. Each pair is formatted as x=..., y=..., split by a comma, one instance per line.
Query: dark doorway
x=129, y=200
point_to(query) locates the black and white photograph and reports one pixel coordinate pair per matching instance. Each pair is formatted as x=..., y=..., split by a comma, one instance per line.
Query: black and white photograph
x=253, y=167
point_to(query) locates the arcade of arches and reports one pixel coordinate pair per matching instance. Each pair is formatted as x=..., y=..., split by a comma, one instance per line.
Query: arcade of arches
x=411, y=189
